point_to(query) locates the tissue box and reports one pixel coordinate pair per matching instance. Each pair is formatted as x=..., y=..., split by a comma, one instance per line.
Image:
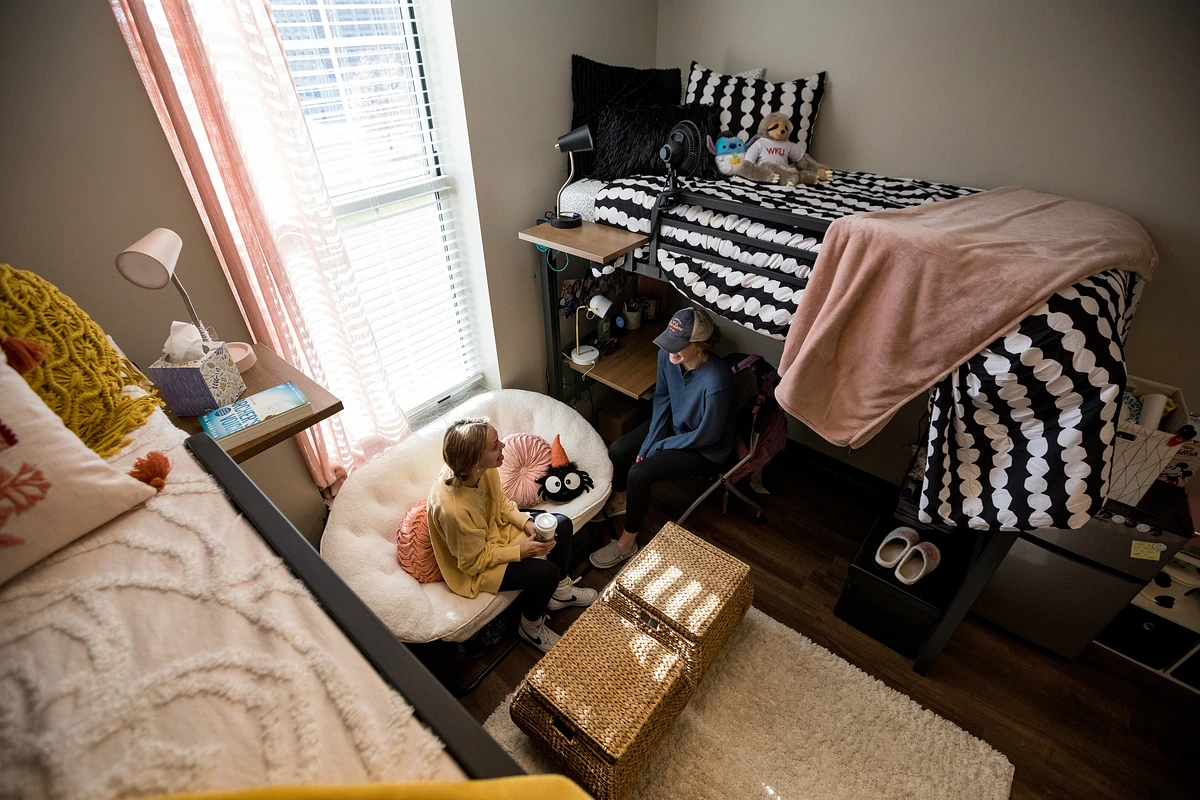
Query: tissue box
x=193, y=387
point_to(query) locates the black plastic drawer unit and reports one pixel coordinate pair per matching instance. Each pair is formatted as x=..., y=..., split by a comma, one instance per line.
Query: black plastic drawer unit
x=1148, y=638
x=890, y=612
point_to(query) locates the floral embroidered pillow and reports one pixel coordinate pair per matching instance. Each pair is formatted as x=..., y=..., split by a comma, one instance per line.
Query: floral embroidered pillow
x=53, y=489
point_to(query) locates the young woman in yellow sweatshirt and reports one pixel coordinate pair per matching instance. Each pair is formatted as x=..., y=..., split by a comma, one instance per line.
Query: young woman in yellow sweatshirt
x=484, y=543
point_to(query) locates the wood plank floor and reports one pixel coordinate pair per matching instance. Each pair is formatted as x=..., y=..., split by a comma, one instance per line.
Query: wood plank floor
x=1095, y=727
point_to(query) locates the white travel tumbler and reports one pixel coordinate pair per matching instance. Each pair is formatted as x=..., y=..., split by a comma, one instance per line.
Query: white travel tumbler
x=544, y=525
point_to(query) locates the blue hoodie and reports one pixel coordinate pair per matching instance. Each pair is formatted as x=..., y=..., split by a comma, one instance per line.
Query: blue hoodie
x=693, y=410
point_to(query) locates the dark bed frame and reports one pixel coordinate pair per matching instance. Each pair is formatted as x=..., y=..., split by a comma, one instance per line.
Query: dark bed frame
x=477, y=753
x=675, y=195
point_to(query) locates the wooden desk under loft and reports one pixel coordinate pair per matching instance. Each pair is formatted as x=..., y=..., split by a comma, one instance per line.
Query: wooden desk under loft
x=631, y=369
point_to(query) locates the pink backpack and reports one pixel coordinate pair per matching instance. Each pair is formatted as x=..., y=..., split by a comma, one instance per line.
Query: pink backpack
x=758, y=412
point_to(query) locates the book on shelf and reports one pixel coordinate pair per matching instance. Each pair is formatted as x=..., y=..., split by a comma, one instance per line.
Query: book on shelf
x=255, y=416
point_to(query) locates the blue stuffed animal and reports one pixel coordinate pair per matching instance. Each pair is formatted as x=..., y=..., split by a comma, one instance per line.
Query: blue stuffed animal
x=729, y=151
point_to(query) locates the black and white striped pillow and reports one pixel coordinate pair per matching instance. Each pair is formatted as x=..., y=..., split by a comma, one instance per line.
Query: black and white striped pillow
x=745, y=101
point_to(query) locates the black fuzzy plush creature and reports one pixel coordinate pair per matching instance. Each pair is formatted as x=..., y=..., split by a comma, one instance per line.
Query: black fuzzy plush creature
x=564, y=481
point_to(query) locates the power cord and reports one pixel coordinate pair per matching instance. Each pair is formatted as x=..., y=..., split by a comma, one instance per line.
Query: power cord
x=546, y=251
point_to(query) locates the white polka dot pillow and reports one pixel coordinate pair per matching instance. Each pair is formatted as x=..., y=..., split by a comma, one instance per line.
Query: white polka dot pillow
x=745, y=101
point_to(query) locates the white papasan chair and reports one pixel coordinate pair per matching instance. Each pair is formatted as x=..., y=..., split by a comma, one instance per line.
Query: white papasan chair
x=360, y=538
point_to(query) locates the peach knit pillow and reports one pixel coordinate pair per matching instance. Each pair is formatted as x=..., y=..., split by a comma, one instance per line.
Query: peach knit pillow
x=413, y=549
x=526, y=458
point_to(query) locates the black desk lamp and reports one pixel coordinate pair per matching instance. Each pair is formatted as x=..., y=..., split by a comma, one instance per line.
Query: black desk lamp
x=577, y=141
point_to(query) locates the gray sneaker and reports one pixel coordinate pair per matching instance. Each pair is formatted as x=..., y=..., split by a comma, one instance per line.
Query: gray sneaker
x=610, y=555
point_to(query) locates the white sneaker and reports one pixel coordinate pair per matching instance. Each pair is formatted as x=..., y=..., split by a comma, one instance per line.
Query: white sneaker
x=568, y=595
x=537, y=634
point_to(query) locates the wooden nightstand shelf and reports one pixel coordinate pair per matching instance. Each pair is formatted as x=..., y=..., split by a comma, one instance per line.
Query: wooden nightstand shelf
x=598, y=243
x=271, y=370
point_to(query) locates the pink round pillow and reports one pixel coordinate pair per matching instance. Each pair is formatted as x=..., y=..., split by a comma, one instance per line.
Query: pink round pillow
x=526, y=458
x=413, y=548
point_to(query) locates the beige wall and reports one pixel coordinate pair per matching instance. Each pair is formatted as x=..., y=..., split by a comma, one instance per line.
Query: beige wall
x=85, y=171
x=1093, y=100
x=515, y=62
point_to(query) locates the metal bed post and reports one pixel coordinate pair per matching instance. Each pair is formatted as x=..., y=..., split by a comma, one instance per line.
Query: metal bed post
x=983, y=565
x=554, y=376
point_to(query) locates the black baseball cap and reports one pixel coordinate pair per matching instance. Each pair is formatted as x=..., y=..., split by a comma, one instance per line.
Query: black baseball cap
x=686, y=326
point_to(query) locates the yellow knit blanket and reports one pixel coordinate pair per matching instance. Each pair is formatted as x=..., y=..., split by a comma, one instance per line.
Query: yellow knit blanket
x=82, y=377
x=523, y=787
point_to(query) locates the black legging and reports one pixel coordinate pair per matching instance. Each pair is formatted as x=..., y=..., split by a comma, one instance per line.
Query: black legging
x=538, y=578
x=637, y=478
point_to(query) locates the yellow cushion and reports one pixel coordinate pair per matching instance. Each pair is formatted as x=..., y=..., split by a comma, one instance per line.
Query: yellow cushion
x=82, y=376
x=543, y=787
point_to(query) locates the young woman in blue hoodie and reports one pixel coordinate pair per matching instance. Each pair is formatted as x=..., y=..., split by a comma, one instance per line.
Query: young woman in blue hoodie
x=690, y=432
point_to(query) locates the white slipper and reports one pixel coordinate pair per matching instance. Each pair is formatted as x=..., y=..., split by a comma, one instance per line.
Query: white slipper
x=895, y=546
x=918, y=562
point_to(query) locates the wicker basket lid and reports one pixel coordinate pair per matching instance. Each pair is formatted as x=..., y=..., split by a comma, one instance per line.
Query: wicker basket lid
x=607, y=678
x=682, y=578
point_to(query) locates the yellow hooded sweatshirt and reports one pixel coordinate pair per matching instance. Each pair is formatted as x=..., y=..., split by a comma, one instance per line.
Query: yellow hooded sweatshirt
x=475, y=532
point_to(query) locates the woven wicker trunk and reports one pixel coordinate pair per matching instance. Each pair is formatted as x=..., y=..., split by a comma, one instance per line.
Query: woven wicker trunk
x=684, y=592
x=602, y=700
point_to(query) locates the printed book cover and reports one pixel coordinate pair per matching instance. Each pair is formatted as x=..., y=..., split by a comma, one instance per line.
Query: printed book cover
x=253, y=410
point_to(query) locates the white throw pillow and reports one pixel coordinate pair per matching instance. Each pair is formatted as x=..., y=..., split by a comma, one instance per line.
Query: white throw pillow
x=53, y=489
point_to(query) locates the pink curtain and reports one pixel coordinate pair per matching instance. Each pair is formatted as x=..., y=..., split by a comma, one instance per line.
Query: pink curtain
x=216, y=73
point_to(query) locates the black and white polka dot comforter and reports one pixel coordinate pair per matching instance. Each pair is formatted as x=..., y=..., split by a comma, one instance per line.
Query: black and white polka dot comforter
x=1020, y=436
x=759, y=303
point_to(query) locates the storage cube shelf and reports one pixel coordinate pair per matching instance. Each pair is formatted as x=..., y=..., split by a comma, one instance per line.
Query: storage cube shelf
x=1161, y=628
x=1148, y=638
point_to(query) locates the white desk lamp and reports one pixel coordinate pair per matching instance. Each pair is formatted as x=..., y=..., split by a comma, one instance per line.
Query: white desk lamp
x=150, y=263
x=598, y=306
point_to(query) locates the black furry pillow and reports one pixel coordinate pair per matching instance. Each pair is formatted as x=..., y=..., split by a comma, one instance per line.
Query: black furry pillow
x=629, y=140
x=596, y=86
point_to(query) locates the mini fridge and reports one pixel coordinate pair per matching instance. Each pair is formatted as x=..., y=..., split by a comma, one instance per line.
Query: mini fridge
x=1060, y=588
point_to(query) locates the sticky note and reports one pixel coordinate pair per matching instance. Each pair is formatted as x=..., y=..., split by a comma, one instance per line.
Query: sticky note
x=1143, y=550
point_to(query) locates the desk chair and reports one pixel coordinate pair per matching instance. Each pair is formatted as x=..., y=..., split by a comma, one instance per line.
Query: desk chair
x=761, y=431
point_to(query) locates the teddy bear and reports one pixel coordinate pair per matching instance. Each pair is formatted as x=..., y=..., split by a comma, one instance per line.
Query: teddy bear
x=771, y=158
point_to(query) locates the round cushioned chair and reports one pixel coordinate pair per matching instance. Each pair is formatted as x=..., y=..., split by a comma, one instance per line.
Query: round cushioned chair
x=360, y=538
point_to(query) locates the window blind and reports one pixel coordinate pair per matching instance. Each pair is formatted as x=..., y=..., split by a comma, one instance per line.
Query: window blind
x=360, y=74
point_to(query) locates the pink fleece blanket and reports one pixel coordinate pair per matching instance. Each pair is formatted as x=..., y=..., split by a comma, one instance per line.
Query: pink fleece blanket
x=898, y=299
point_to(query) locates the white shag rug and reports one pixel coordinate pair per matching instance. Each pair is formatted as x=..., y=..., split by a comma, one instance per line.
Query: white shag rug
x=777, y=716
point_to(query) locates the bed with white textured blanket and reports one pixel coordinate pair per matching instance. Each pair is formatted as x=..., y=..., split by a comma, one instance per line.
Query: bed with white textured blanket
x=170, y=650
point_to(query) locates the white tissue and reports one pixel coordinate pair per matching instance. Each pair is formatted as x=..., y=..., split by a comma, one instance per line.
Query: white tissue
x=184, y=343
